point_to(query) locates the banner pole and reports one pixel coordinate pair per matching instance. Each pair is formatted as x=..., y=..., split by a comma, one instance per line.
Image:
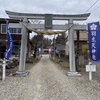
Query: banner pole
x=4, y=69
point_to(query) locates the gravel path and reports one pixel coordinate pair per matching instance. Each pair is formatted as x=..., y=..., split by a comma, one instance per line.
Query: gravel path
x=46, y=81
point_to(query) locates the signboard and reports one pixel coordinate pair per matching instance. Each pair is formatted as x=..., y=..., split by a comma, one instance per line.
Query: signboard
x=48, y=21
x=90, y=68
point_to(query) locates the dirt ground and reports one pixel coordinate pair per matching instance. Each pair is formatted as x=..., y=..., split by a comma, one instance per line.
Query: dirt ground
x=47, y=81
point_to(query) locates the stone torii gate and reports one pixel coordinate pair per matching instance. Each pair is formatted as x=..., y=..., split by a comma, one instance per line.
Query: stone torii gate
x=48, y=25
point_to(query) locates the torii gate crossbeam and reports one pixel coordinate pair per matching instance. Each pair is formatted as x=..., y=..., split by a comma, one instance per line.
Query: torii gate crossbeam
x=70, y=18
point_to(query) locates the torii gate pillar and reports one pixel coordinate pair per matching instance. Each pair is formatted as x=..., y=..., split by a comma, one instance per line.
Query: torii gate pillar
x=72, y=71
x=23, y=51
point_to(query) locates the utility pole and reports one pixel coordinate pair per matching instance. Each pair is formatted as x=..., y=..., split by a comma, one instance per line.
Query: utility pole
x=42, y=46
x=54, y=48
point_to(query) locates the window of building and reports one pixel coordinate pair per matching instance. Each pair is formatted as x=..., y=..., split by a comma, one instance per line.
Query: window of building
x=3, y=28
x=12, y=30
x=15, y=30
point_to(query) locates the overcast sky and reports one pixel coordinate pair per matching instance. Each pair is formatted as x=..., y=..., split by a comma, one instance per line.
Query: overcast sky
x=52, y=6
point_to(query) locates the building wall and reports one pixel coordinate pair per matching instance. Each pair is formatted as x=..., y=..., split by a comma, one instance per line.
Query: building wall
x=83, y=35
x=82, y=41
x=15, y=38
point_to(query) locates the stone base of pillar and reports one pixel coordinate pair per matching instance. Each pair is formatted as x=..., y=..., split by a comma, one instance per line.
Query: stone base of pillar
x=19, y=73
x=73, y=74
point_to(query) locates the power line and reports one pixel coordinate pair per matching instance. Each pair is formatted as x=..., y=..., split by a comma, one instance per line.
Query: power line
x=92, y=6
